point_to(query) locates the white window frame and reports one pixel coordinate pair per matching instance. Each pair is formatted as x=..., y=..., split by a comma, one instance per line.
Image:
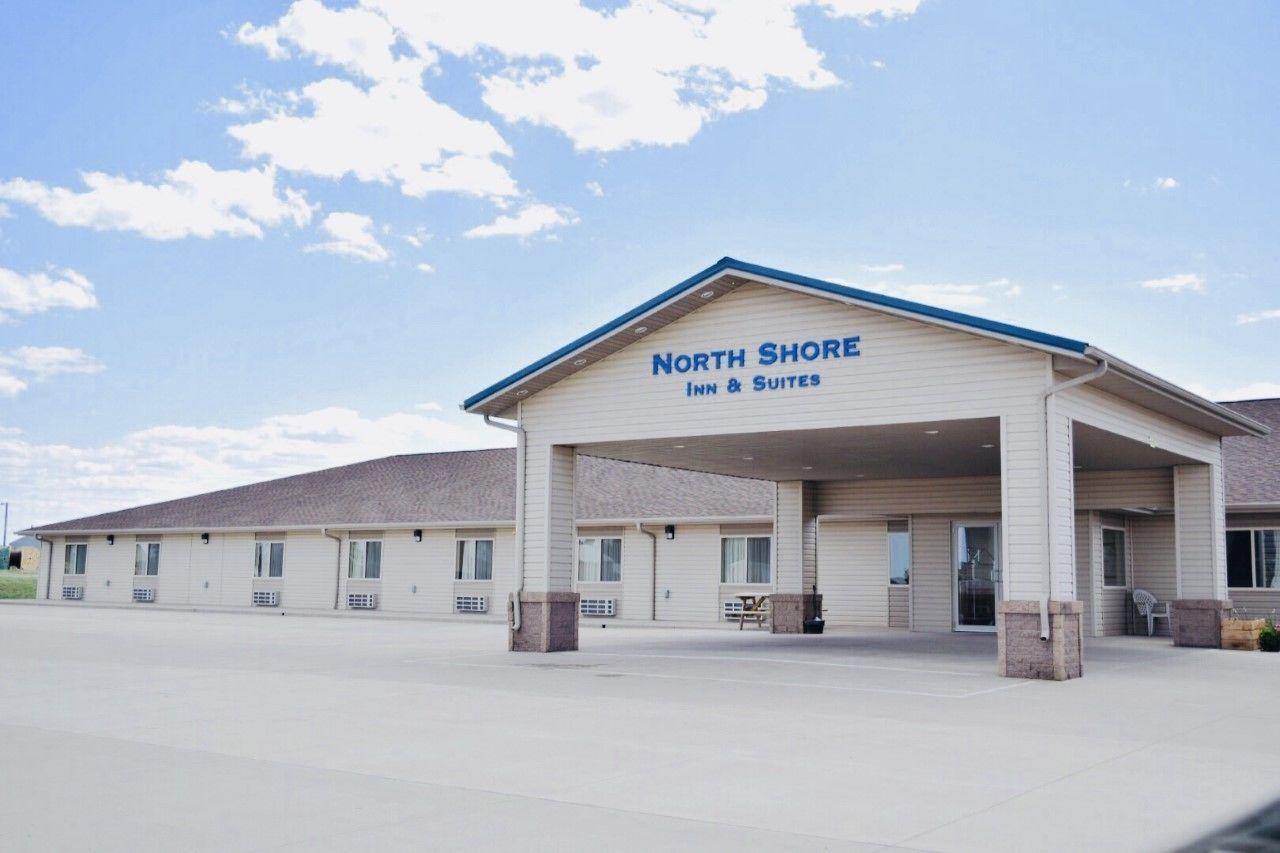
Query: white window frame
x=889, y=559
x=747, y=536
x=363, y=544
x=1253, y=555
x=1124, y=561
x=599, y=540
x=78, y=563
x=460, y=568
x=264, y=545
x=146, y=543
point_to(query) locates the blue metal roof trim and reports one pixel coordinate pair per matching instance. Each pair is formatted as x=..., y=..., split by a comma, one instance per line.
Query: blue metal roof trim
x=726, y=263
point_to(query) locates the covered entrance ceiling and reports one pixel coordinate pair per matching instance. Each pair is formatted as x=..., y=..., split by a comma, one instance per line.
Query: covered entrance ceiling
x=959, y=448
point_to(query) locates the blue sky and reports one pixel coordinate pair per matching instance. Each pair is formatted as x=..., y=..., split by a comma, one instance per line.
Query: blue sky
x=1099, y=170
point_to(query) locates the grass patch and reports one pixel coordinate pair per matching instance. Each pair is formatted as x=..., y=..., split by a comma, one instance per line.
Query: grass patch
x=17, y=586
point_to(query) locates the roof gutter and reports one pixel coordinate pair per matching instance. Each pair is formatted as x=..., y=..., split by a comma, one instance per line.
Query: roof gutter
x=1181, y=395
x=1050, y=486
x=520, y=452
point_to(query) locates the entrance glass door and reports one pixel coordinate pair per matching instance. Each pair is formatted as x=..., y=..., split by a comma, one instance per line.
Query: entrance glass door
x=977, y=576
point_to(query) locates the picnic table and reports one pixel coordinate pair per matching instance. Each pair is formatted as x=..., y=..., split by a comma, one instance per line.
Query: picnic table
x=755, y=606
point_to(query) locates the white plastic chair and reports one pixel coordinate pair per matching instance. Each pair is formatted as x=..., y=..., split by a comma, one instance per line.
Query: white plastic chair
x=1148, y=607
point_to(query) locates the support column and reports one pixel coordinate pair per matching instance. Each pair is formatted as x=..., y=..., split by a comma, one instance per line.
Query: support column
x=1196, y=616
x=1038, y=548
x=795, y=545
x=545, y=619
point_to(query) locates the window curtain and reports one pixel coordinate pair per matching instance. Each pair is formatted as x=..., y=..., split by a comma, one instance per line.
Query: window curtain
x=758, y=549
x=373, y=560
x=355, y=564
x=1266, y=550
x=276, y=567
x=589, y=559
x=146, y=558
x=484, y=559
x=733, y=560
x=610, y=559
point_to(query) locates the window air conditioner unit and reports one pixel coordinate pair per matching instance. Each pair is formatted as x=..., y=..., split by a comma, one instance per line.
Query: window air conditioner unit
x=144, y=594
x=362, y=600
x=266, y=598
x=471, y=603
x=596, y=606
x=732, y=609
x=73, y=593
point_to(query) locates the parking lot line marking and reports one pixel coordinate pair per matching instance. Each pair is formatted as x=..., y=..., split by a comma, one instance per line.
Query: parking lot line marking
x=753, y=682
x=792, y=661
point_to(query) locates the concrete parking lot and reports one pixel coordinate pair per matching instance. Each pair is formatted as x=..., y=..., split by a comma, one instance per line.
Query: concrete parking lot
x=128, y=729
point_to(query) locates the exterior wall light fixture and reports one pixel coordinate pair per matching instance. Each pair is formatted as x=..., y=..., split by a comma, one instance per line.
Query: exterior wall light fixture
x=417, y=536
x=670, y=531
x=204, y=537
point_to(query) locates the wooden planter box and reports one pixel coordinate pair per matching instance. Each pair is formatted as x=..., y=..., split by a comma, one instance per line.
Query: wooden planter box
x=1241, y=634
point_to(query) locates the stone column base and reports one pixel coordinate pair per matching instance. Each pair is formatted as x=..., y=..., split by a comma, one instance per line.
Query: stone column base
x=1022, y=654
x=548, y=622
x=1198, y=621
x=788, y=610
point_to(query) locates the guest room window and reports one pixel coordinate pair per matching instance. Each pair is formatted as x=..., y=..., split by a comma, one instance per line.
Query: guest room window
x=600, y=559
x=268, y=561
x=475, y=560
x=146, y=558
x=745, y=559
x=365, y=559
x=76, y=555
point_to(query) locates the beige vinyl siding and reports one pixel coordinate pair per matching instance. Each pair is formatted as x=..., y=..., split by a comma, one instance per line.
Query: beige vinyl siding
x=237, y=569
x=795, y=545
x=689, y=574
x=204, y=570
x=1196, y=541
x=900, y=606
x=113, y=563
x=931, y=573
x=175, y=569
x=964, y=495
x=637, y=571
x=950, y=374
x=1154, y=559
x=49, y=580
x=1085, y=591
x=405, y=565
x=1140, y=488
x=1114, y=414
x=310, y=570
x=853, y=572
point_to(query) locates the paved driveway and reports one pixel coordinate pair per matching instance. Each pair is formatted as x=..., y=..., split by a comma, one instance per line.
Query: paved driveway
x=136, y=730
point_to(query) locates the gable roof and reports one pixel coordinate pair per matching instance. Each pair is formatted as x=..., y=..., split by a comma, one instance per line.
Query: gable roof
x=728, y=274
x=724, y=276
x=1251, y=464
x=466, y=488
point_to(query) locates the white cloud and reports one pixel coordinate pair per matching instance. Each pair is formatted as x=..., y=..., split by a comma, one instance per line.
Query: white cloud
x=357, y=39
x=647, y=73
x=883, y=268
x=1176, y=283
x=352, y=235
x=595, y=189
x=392, y=133
x=1250, y=391
x=424, y=267
x=38, y=292
x=1258, y=316
x=878, y=64
x=57, y=481
x=530, y=220
x=39, y=364
x=5, y=212
x=193, y=200
x=1165, y=183
x=418, y=238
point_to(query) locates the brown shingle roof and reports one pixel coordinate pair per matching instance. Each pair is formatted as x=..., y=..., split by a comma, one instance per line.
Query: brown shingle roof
x=1251, y=466
x=439, y=488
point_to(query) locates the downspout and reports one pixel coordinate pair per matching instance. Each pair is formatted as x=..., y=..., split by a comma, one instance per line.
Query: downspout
x=653, y=572
x=519, y=431
x=48, y=570
x=1099, y=370
x=337, y=577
